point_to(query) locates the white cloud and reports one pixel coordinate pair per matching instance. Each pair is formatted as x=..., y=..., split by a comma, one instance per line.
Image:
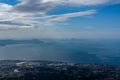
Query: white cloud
x=5, y=7
x=4, y=10
x=82, y=2
x=28, y=14
x=10, y=19
x=30, y=6
x=44, y=6
x=64, y=17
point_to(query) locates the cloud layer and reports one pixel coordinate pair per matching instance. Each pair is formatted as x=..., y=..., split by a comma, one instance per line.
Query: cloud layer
x=29, y=14
x=30, y=6
x=24, y=15
x=82, y=2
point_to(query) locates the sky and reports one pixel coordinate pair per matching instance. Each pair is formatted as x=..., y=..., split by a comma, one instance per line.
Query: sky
x=61, y=19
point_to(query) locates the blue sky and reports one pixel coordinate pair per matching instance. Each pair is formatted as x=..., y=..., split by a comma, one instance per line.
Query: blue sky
x=21, y=19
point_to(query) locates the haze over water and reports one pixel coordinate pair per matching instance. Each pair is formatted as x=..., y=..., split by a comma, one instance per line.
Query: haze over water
x=77, y=51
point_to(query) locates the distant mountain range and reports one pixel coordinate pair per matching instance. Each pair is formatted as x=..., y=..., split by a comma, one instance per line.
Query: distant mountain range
x=11, y=42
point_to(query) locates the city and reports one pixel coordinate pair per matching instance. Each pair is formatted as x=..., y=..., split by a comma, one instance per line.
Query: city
x=49, y=70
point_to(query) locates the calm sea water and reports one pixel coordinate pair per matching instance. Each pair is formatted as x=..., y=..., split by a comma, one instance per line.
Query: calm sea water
x=78, y=51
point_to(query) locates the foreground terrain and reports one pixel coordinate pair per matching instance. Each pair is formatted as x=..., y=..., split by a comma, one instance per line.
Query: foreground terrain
x=48, y=70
